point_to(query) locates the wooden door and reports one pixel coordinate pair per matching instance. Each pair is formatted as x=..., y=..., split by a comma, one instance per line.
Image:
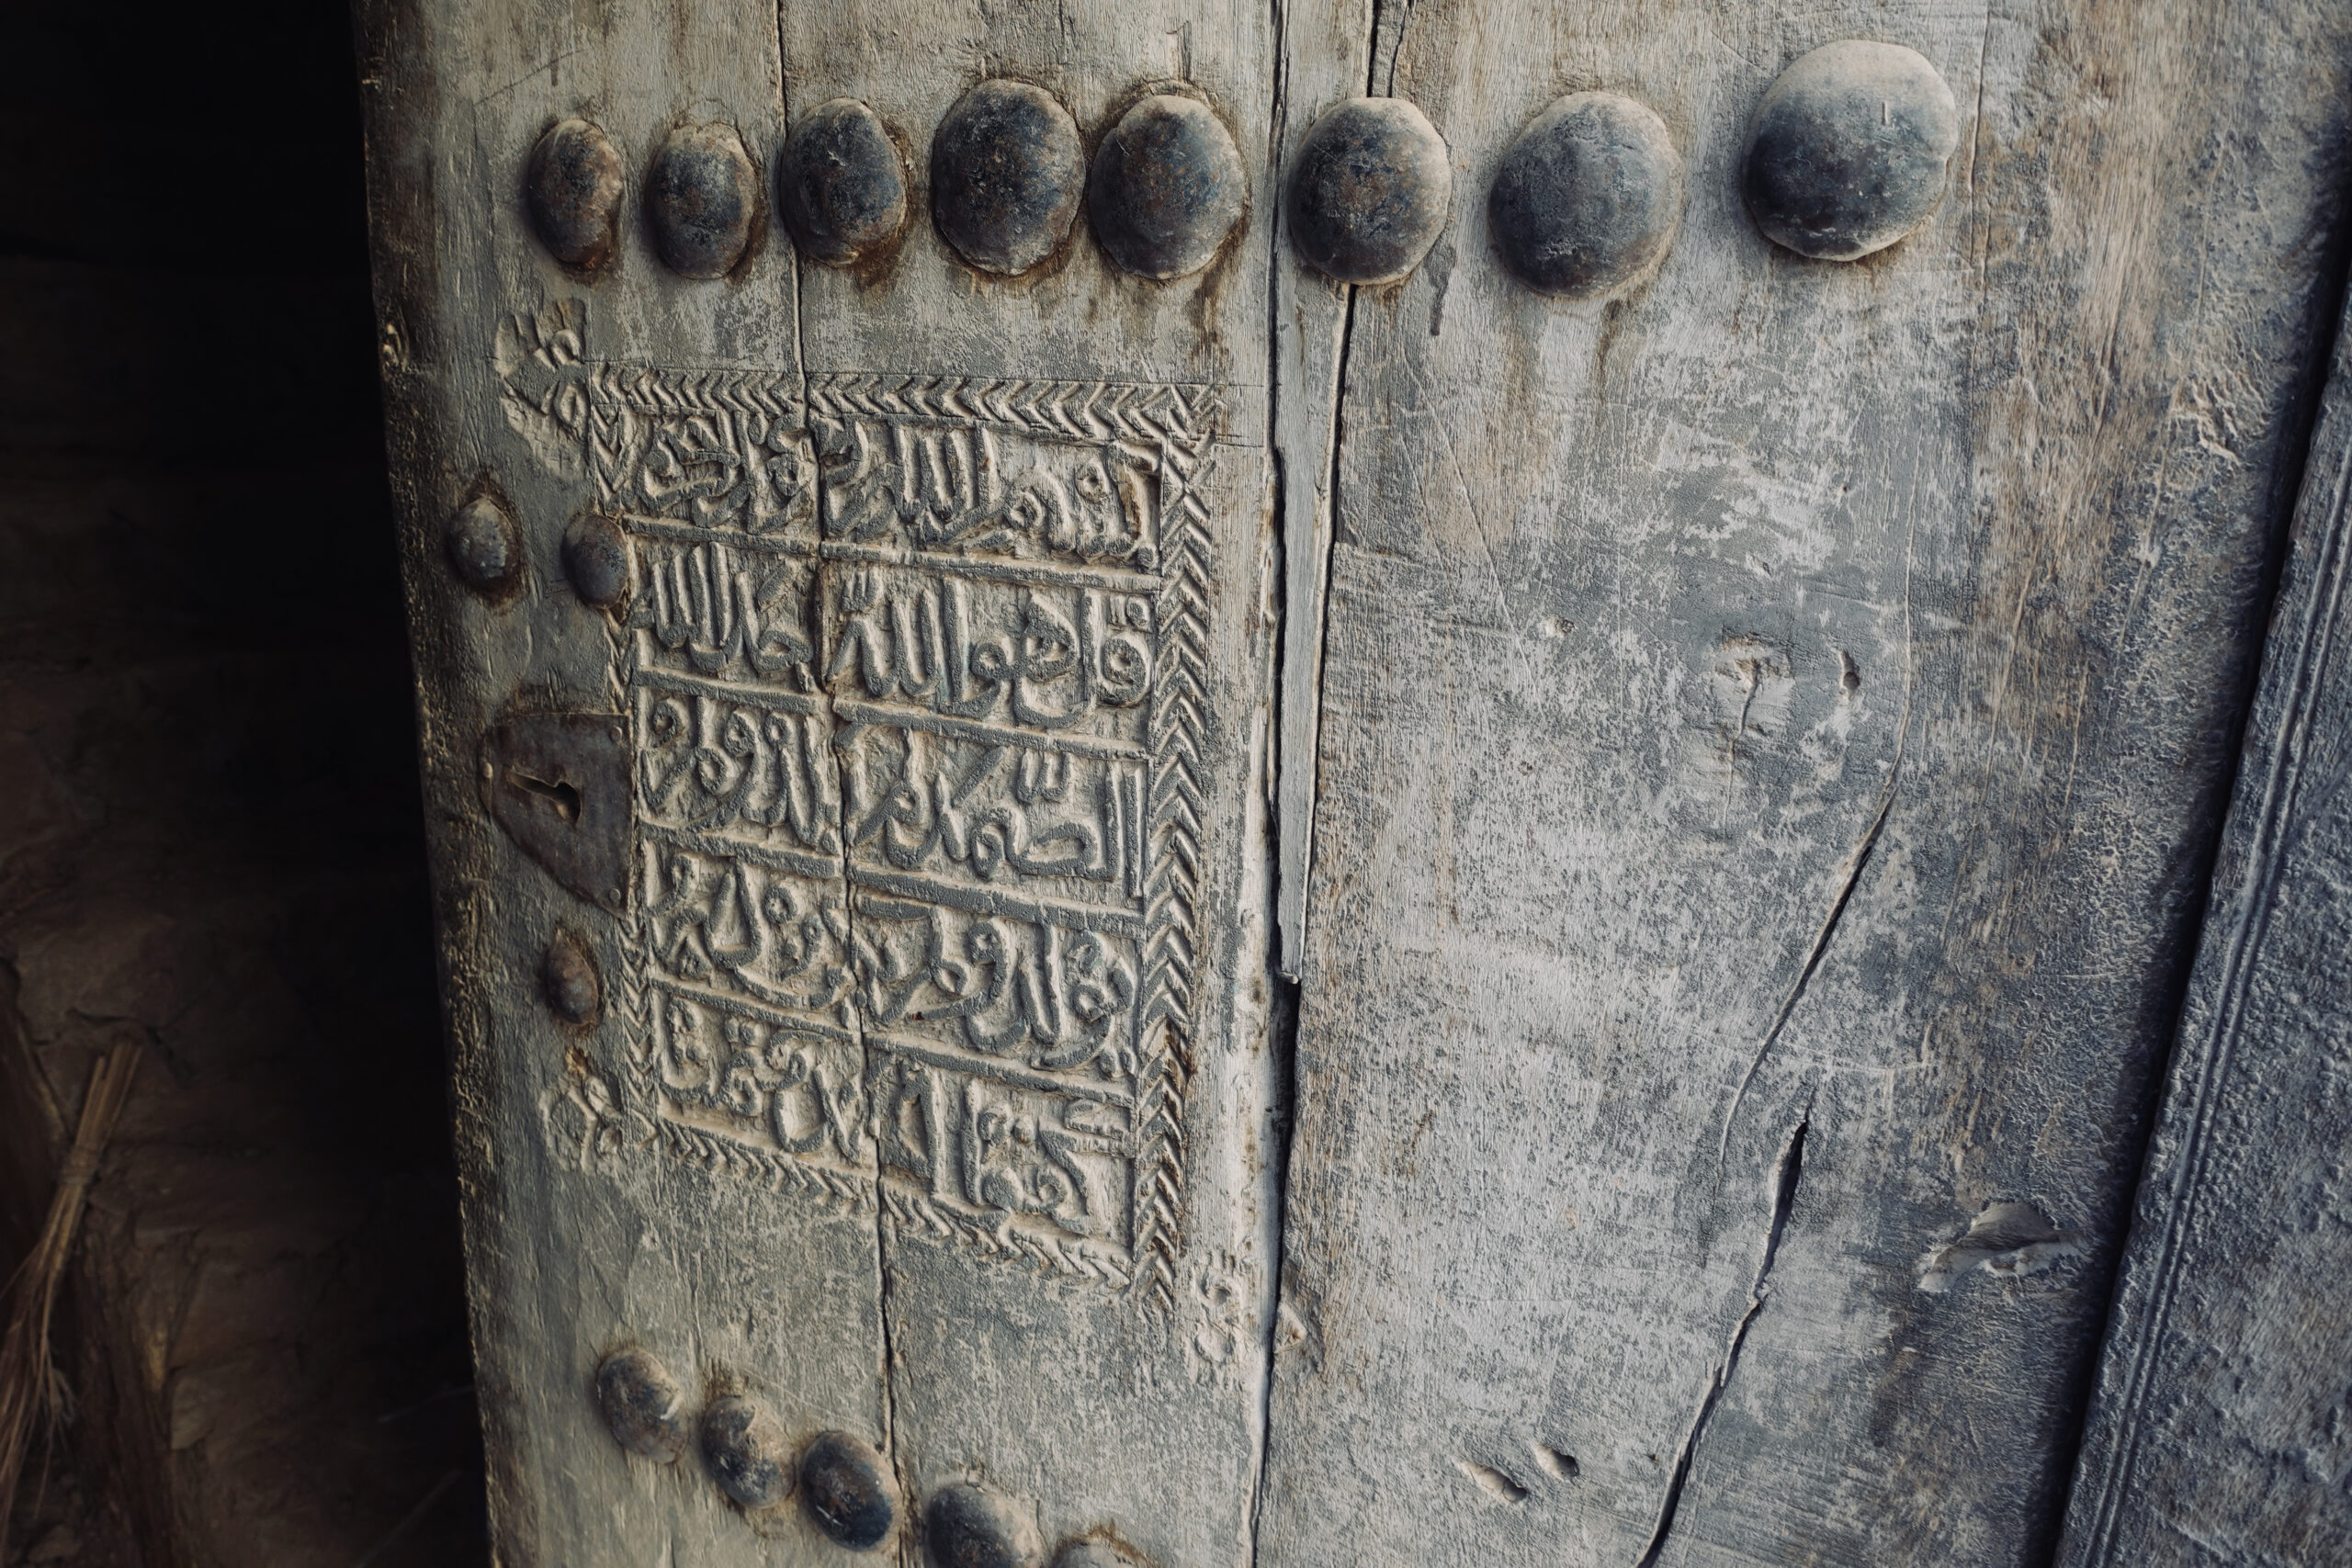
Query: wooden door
x=1183, y=816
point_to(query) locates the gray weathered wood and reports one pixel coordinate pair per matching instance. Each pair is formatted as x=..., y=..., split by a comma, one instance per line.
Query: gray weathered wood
x=1325, y=57
x=1773, y=727
x=1136, y=1407
x=1748, y=749
x=2215, y=1432
x=821, y=1149
x=580, y=1236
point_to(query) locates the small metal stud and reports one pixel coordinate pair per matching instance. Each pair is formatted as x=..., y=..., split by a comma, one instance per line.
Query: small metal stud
x=700, y=199
x=1848, y=150
x=746, y=1452
x=841, y=188
x=971, y=1525
x=596, y=560
x=569, y=980
x=642, y=1405
x=483, y=547
x=1167, y=187
x=1587, y=197
x=1006, y=175
x=572, y=185
x=1369, y=193
x=848, y=1492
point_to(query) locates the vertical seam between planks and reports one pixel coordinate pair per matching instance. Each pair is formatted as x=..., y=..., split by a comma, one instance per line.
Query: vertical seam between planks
x=1284, y=1041
x=904, y=1547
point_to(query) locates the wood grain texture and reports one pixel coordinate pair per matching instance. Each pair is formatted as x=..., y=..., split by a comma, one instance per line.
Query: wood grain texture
x=1324, y=59
x=931, y=1097
x=577, y=1237
x=2215, y=1431
x=1141, y=1410
x=1773, y=731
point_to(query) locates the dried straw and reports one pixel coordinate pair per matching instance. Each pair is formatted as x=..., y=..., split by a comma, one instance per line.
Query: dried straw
x=33, y=1391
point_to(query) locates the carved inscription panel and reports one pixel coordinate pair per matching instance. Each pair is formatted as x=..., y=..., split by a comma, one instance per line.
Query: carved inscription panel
x=913, y=672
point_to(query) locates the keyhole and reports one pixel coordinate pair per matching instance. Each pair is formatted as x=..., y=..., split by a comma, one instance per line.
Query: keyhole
x=563, y=797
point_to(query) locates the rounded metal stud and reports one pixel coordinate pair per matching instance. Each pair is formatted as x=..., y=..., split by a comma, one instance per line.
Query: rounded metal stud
x=700, y=199
x=1586, y=199
x=1006, y=173
x=1368, y=195
x=848, y=1492
x=1848, y=150
x=642, y=1405
x=1167, y=187
x=572, y=185
x=971, y=1525
x=841, y=188
x=484, y=547
x=569, y=980
x=596, y=560
x=746, y=1451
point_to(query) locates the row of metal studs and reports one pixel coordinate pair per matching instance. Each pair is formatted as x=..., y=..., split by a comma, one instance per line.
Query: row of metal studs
x=1007, y=172
x=1846, y=156
x=846, y=1487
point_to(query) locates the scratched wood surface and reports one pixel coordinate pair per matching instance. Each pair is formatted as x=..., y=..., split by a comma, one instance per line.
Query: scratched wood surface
x=1746, y=758
x=1774, y=727
x=575, y=1243
x=2216, y=1428
x=1137, y=1409
x=929, y=1098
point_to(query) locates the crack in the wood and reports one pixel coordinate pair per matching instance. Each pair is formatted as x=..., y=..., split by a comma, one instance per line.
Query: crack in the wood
x=1282, y=1022
x=1282, y=1025
x=1381, y=83
x=1857, y=860
x=886, y=1351
x=1785, y=1175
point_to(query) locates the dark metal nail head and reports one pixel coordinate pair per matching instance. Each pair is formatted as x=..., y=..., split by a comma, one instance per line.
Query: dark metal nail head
x=971, y=1525
x=1167, y=187
x=744, y=1447
x=700, y=199
x=1848, y=150
x=596, y=560
x=1588, y=198
x=1368, y=193
x=642, y=1405
x=573, y=185
x=568, y=979
x=484, y=547
x=841, y=188
x=848, y=1492
x=1006, y=175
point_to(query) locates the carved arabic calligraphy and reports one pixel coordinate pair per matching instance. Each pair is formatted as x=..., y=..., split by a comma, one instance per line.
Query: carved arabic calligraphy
x=914, y=702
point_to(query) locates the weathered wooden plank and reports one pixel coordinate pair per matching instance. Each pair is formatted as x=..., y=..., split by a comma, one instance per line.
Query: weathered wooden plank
x=881, y=718
x=1119, y=1384
x=2214, y=1432
x=1326, y=58
x=1774, y=724
x=599, y=1214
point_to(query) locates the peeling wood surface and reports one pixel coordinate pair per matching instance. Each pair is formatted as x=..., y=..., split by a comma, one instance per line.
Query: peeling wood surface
x=2216, y=1430
x=1773, y=731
